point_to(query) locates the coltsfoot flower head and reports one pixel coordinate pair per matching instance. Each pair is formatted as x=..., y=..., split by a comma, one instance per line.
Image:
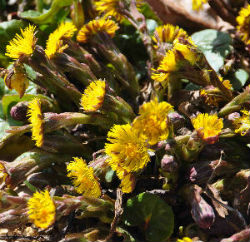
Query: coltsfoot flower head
x=36, y=119
x=152, y=121
x=55, y=42
x=208, y=127
x=167, y=66
x=179, y=56
x=109, y=8
x=83, y=177
x=168, y=33
x=96, y=26
x=3, y=173
x=226, y=83
x=198, y=4
x=112, y=8
x=210, y=99
x=243, y=26
x=41, y=209
x=127, y=149
x=22, y=45
x=242, y=123
x=93, y=96
x=127, y=183
x=184, y=239
x=186, y=52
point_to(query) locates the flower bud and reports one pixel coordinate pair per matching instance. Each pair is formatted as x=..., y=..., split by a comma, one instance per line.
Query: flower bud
x=202, y=213
x=177, y=120
x=19, y=111
x=168, y=163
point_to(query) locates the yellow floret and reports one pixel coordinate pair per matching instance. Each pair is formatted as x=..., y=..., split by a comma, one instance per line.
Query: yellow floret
x=127, y=149
x=36, y=120
x=198, y=4
x=243, y=26
x=208, y=126
x=152, y=122
x=22, y=45
x=93, y=96
x=83, y=177
x=243, y=123
x=55, y=42
x=96, y=26
x=41, y=209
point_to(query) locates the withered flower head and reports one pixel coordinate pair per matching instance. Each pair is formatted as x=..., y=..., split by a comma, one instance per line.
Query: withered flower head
x=242, y=123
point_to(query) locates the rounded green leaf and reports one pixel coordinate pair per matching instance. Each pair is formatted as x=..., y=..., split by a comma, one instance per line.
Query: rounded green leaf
x=215, y=45
x=151, y=214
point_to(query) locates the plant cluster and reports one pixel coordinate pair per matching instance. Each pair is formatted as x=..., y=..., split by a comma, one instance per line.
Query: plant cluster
x=124, y=128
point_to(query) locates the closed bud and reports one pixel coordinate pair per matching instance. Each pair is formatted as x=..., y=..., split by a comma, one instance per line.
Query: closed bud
x=168, y=163
x=19, y=111
x=202, y=212
x=177, y=120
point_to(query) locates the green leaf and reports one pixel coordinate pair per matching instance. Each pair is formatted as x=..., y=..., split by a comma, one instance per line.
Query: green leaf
x=151, y=25
x=239, y=79
x=146, y=10
x=3, y=127
x=152, y=214
x=109, y=176
x=49, y=16
x=215, y=45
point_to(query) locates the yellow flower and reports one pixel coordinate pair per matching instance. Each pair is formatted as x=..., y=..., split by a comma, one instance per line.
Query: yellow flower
x=55, y=42
x=152, y=121
x=3, y=173
x=208, y=127
x=96, y=26
x=41, y=209
x=243, y=123
x=184, y=239
x=22, y=45
x=127, y=183
x=168, y=33
x=93, y=96
x=83, y=177
x=186, y=51
x=36, y=120
x=244, y=24
x=109, y=8
x=210, y=99
x=226, y=83
x=112, y=8
x=198, y=4
x=127, y=149
x=173, y=61
x=167, y=66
